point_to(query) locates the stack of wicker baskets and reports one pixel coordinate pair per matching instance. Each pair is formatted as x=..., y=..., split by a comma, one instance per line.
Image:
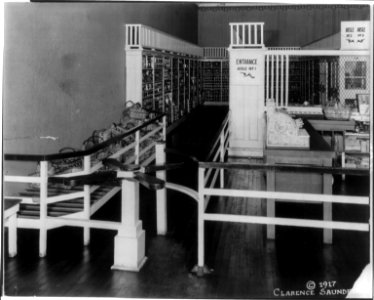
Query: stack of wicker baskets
x=337, y=111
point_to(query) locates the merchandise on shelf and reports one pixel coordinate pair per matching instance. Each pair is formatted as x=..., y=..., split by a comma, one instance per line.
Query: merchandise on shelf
x=215, y=76
x=170, y=84
x=357, y=143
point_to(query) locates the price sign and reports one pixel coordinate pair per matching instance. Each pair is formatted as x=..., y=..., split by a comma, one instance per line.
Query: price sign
x=355, y=35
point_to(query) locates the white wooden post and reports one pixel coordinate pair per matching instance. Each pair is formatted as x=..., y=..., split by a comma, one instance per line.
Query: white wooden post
x=161, y=200
x=129, y=243
x=137, y=147
x=267, y=85
x=272, y=77
x=270, y=205
x=164, y=125
x=222, y=157
x=43, y=208
x=287, y=77
x=86, y=201
x=281, y=80
x=327, y=208
x=200, y=225
x=231, y=34
x=276, y=80
x=12, y=235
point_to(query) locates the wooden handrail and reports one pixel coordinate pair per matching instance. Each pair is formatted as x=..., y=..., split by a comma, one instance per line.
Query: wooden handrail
x=286, y=168
x=48, y=157
x=215, y=139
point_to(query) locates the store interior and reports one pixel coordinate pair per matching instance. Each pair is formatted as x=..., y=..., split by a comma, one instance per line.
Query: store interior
x=187, y=150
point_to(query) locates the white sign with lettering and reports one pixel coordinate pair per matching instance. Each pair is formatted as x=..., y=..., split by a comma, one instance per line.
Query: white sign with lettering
x=247, y=68
x=355, y=35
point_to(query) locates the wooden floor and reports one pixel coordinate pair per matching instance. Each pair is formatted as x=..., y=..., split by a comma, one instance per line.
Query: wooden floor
x=245, y=264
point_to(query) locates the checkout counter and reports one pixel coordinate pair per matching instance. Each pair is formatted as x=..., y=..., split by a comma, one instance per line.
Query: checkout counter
x=290, y=141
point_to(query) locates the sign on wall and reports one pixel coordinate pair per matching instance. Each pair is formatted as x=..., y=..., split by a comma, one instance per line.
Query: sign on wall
x=355, y=35
x=246, y=68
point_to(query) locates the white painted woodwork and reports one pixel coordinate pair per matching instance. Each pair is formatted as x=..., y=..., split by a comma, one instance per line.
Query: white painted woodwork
x=10, y=219
x=134, y=75
x=245, y=35
x=21, y=179
x=43, y=208
x=139, y=36
x=137, y=147
x=81, y=218
x=161, y=200
x=288, y=196
x=327, y=224
x=183, y=189
x=288, y=222
x=129, y=243
x=200, y=219
x=215, y=52
x=247, y=102
x=69, y=221
x=86, y=200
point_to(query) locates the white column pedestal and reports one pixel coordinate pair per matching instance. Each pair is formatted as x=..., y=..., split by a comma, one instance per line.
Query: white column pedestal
x=129, y=249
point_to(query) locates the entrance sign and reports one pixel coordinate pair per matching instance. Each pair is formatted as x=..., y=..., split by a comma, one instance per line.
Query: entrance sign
x=247, y=67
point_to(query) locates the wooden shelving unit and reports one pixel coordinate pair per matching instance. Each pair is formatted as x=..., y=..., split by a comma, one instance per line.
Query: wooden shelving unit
x=215, y=74
x=216, y=80
x=162, y=72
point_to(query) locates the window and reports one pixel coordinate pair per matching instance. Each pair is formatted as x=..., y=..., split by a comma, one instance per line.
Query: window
x=355, y=75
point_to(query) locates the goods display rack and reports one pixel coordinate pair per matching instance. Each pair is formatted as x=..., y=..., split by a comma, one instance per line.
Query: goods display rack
x=215, y=74
x=147, y=84
x=215, y=80
x=170, y=84
x=161, y=72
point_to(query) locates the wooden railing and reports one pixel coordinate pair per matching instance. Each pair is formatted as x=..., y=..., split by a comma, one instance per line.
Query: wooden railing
x=278, y=74
x=215, y=52
x=138, y=153
x=139, y=36
x=247, y=35
x=218, y=153
x=204, y=192
x=282, y=48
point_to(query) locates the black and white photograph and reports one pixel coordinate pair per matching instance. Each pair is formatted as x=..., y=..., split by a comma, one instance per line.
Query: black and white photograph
x=185, y=149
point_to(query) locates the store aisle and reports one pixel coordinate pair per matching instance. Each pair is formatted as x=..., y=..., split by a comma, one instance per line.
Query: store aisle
x=245, y=264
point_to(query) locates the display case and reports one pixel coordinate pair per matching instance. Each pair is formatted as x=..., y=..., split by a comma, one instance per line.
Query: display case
x=356, y=152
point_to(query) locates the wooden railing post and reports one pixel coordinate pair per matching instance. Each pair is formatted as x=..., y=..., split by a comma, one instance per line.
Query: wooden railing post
x=129, y=243
x=164, y=125
x=200, y=268
x=161, y=198
x=86, y=200
x=43, y=208
x=222, y=157
x=327, y=207
x=137, y=147
x=270, y=204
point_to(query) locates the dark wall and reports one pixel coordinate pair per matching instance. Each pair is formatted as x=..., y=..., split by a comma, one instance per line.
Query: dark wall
x=64, y=67
x=284, y=25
